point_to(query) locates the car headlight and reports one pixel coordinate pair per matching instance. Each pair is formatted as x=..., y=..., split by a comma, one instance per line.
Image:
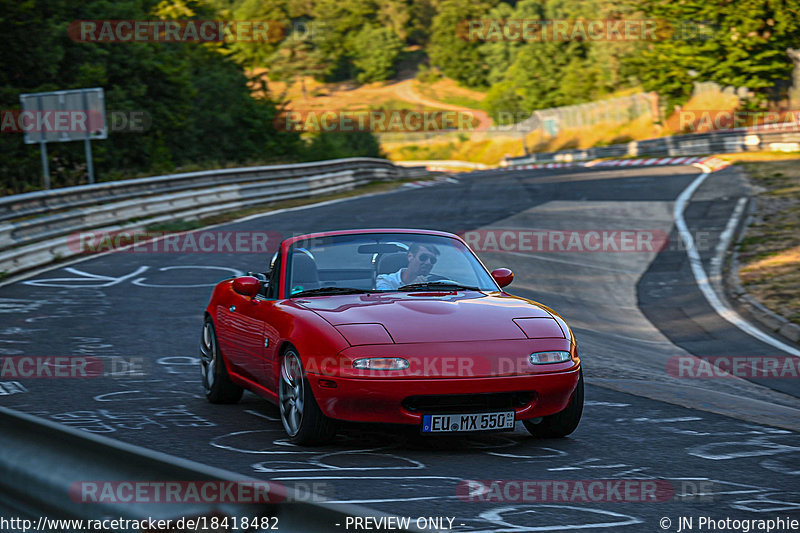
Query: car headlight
x=381, y=363
x=545, y=358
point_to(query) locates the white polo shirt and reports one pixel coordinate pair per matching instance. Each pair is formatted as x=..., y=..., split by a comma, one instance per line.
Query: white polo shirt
x=389, y=282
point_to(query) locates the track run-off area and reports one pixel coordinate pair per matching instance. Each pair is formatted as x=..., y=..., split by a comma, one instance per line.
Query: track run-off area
x=724, y=447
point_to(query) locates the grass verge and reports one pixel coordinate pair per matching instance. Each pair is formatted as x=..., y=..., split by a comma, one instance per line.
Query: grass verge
x=487, y=151
x=769, y=254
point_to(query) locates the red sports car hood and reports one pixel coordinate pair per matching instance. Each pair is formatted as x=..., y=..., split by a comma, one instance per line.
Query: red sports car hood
x=436, y=317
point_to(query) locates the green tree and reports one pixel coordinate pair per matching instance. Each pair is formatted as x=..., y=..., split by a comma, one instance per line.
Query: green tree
x=343, y=20
x=198, y=101
x=257, y=53
x=421, y=13
x=375, y=52
x=451, y=49
x=335, y=145
x=742, y=44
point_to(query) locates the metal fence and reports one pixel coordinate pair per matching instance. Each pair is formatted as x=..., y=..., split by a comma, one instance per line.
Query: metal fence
x=614, y=110
x=784, y=137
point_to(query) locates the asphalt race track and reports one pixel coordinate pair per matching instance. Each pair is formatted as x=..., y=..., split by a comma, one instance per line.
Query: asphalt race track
x=727, y=447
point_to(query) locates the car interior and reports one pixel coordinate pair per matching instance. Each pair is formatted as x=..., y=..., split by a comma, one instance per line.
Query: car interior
x=306, y=273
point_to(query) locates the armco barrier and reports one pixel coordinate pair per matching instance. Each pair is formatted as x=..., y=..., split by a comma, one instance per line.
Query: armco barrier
x=39, y=202
x=41, y=463
x=36, y=224
x=785, y=137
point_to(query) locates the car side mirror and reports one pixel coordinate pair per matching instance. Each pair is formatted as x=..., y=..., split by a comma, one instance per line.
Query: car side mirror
x=247, y=286
x=503, y=276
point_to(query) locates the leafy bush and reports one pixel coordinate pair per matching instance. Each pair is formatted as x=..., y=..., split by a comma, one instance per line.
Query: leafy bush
x=375, y=52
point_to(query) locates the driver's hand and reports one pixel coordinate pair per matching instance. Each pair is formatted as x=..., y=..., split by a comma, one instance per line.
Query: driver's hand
x=419, y=279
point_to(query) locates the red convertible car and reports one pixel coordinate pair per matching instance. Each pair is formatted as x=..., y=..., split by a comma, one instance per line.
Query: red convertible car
x=396, y=326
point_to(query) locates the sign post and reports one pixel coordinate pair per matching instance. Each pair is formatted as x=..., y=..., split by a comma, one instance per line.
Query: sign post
x=45, y=166
x=63, y=116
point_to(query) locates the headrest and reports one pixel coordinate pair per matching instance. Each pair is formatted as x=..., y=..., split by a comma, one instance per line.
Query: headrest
x=391, y=263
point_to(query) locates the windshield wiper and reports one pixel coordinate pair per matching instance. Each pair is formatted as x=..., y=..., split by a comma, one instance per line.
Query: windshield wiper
x=437, y=285
x=331, y=290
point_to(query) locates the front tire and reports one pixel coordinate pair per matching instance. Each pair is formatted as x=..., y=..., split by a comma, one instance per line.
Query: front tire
x=216, y=380
x=563, y=423
x=301, y=416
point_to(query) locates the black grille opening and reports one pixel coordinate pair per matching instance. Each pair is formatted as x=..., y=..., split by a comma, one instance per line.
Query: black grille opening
x=454, y=403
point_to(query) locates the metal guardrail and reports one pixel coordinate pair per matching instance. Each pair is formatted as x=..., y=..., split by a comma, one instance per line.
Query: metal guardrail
x=772, y=138
x=36, y=223
x=39, y=202
x=42, y=466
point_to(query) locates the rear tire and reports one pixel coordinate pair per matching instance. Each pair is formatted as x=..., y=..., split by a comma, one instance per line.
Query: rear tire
x=216, y=380
x=563, y=423
x=303, y=420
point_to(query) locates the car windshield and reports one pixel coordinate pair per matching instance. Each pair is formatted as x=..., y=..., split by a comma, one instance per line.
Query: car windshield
x=383, y=262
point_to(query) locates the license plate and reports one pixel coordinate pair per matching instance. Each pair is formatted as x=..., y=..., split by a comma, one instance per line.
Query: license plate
x=468, y=422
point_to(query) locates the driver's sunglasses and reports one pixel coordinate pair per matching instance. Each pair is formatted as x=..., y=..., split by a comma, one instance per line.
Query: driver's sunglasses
x=427, y=257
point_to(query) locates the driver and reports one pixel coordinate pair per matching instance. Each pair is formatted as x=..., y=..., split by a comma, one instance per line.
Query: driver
x=421, y=258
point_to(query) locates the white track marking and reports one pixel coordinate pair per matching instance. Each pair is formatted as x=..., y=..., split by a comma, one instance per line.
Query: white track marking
x=261, y=415
x=551, y=453
x=84, y=277
x=725, y=239
x=317, y=464
x=790, y=469
x=495, y=517
x=393, y=500
x=586, y=464
x=719, y=486
x=755, y=447
x=413, y=478
x=140, y=281
x=130, y=396
x=664, y=420
x=215, y=442
x=703, y=282
x=765, y=505
x=11, y=387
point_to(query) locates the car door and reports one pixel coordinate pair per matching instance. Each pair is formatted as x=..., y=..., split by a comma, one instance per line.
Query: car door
x=241, y=334
x=271, y=336
x=251, y=339
x=246, y=335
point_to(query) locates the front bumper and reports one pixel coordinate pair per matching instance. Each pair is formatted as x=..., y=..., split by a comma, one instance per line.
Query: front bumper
x=382, y=400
